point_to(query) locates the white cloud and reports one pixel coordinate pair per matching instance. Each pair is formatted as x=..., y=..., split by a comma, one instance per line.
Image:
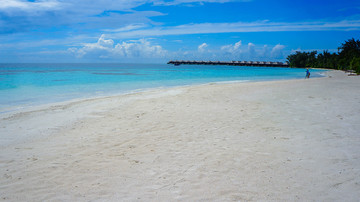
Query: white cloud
x=232, y=49
x=101, y=48
x=129, y=27
x=227, y=48
x=265, y=53
x=139, y=48
x=177, y=2
x=106, y=48
x=258, y=26
x=277, y=51
x=252, y=52
x=235, y=51
x=107, y=43
x=9, y=6
x=237, y=45
x=81, y=7
x=202, y=47
x=251, y=49
x=120, y=19
x=101, y=16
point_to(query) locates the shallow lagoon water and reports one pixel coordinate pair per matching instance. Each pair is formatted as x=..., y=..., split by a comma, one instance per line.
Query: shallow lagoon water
x=24, y=85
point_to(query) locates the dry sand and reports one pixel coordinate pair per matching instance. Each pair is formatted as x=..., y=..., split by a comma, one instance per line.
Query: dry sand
x=295, y=140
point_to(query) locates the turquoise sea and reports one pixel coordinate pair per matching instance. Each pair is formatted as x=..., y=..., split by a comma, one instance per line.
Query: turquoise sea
x=25, y=85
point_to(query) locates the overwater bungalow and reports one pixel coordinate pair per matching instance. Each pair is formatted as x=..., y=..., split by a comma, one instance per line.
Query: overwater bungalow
x=234, y=63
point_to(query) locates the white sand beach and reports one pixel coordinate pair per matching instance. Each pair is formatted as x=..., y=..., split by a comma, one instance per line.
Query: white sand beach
x=295, y=140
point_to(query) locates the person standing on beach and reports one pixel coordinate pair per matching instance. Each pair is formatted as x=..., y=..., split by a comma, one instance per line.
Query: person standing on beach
x=307, y=73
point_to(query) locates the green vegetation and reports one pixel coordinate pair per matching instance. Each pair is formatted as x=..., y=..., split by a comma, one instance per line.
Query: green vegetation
x=347, y=58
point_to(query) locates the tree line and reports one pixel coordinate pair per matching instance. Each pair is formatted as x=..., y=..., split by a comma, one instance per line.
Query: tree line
x=347, y=58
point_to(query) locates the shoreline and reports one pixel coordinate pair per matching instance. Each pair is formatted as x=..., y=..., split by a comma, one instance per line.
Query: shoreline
x=38, y=96
x=55, y=107
x=21, y=108
x=276, y=140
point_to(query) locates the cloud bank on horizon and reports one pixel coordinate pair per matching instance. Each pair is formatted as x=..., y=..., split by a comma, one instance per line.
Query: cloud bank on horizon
x=160, y=30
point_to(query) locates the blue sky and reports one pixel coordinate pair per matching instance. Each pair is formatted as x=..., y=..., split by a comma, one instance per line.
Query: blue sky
x=156, y=31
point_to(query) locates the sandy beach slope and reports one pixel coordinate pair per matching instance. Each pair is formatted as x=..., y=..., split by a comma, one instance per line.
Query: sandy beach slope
x=295, y=140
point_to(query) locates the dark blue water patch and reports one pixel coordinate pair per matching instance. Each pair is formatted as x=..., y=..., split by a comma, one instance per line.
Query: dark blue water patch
x=59, y=80
x=56, y=70
x=121, y=74
x=7, y=73
x=41, y=71
x=15, y=71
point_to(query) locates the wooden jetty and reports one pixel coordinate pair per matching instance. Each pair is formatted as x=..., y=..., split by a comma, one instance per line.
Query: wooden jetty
x=232, y=63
